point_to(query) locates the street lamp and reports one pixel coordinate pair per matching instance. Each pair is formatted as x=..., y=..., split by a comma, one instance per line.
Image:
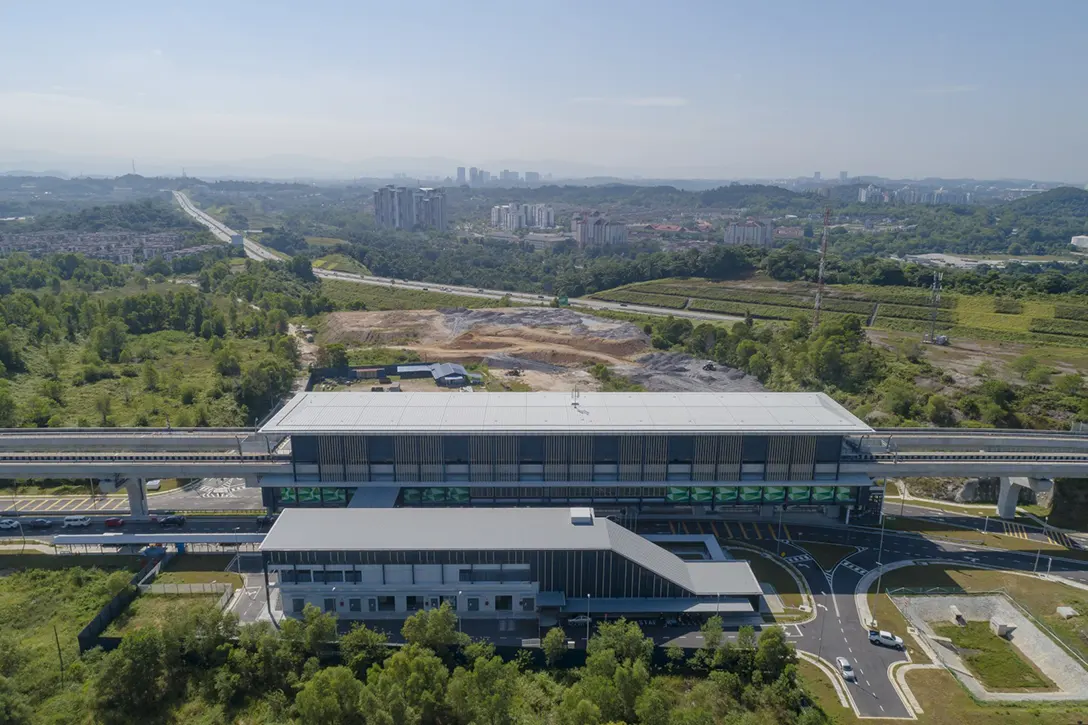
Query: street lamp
x=589, y=598
x=880, y=549
x=456, y=605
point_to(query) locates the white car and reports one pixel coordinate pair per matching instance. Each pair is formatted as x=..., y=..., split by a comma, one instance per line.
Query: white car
x=845, y=669
x=153, y=485
x=885, y=639
x=580, y=619
x=9, y=524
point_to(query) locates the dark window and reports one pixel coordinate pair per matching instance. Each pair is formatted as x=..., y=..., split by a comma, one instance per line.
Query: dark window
x=606, y=449
x=494, y=575
x=528, y=604
x=334, y=576
x=531, y=449
x=287, y=576
x=473, y=604
x=387, y=604
x=754, y=449
x=304, y=449
x=828, y=448
x=455, y=449
x=380, y=449
x=297, y=605
x=372, y=604
x=413, y=604
x=504, y=603
x=319, y=576
x=353, y=577
x=355, y=605
x=330, y=604
x=681, y=449
x=304, y=576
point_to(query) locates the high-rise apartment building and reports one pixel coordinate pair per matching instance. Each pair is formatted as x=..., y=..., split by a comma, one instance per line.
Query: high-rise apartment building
x=753, y=232
x=508, y=177
x=532, y=177
x=473, y=176
x=816, y=176
x=595, y=229
x=460, y=175
x=485, y=177
x=512, y=217
x=843, y=177
x=398, y=207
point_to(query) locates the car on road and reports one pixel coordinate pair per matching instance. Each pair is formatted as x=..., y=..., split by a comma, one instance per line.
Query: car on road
x=885, y=639
x=39, y=523
x=174, y=520
x=72, y=522
x=845, y=669
x=114, y=522
x=9, y=524
x=580, y=619
x=623, y=304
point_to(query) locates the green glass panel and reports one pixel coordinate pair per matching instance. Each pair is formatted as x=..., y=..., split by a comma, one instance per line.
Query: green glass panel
x=823, y=494
x=458, y=495
x=727, y=494
x=798, y=493
x=287, y=495
x=431, y=495
x=678, y=495
x=774, y=494
x=845, y=493
x=334, y=495
x=411, y=495
x=702, y=495
x=309, y=495
x=751, y=494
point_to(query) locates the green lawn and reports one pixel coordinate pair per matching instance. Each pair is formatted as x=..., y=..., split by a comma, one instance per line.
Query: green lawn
x=347, y=295
x=199, y=569
x=340, y=263
x=996, y=663
x=773, y=573
x=153, y=610
x=827, y=555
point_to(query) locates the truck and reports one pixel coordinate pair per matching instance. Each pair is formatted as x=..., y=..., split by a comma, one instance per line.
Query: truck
x=885, y=639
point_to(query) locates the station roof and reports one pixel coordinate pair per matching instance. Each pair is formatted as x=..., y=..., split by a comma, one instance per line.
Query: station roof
x=483, y=412
x=497, y=529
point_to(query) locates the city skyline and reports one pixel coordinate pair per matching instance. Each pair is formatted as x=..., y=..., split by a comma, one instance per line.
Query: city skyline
x=987, y=92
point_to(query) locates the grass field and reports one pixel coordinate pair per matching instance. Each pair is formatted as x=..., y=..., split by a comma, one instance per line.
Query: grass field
x=996, y=663
x=325, y=241
x=772, y=573
x=1039, y=597
x=154, y=610
x=200, y=569
x=1047, y=320
x=348, y=295
x=340, y=263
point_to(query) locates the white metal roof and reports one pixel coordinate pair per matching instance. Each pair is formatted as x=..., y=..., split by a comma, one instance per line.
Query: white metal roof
x=560, y=412
x=491, y=529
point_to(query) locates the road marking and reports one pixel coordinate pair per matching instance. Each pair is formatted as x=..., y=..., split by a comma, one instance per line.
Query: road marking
x=787, y=530
x=672, y=528
x=70, y=504
x=854, y=567
x=850, y=648
x=700, y=525
x=684, y=526
x=755, y=528
x=743, y=531
x=52, y=504
x=728, y=531
x=714, y=528
x=798, y=558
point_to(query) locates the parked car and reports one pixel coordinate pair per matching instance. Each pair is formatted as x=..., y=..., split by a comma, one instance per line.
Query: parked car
x=580, y=619
x=114, y=522
x=175, y=520
x=885, y=639
x=153, y=485
x=266, y=520
x=71, y=522
x=845, y=669
x=39, y=523
x=9, y=524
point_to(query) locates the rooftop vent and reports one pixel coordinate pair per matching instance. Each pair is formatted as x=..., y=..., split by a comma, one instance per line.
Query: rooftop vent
x=581, y=516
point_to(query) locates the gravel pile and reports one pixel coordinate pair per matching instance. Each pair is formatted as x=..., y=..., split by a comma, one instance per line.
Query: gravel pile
x=677, y=373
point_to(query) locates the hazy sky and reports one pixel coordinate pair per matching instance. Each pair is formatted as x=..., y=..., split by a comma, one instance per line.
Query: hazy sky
x=721, y=88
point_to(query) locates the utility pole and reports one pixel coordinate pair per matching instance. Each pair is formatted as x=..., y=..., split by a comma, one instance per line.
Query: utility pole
x=934, y=306
x=823, y=263
x=60, y=657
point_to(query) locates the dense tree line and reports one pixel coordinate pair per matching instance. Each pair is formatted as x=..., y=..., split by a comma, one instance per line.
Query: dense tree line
x=146, y=215
x=205, y=665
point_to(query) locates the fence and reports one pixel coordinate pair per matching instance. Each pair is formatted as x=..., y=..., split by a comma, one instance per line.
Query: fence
x=225, y=591
x=88, y=637
x=924, y=590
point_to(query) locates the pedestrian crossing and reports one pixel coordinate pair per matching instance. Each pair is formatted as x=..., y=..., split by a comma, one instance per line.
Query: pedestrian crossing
x=42, y=504
x=798, y=558
x=1016, y=530
x=1060, y=539
x=854, y=567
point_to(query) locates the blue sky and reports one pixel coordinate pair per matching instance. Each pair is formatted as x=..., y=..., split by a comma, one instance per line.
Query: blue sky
x=767, y=88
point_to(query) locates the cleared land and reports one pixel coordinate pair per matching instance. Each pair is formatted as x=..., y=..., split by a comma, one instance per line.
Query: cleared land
x=340, y=263
x=154, y=610
x=347, y=295
x=996, y=663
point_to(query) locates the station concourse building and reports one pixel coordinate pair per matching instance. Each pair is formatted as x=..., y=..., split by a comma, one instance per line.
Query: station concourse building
x=624, y=453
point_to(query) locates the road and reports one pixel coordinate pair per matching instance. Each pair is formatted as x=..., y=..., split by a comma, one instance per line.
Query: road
x=209, y=494
x=259, y=253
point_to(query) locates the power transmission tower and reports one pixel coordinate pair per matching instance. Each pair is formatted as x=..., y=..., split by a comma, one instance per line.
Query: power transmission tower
x=934, y=306
x=823, y=262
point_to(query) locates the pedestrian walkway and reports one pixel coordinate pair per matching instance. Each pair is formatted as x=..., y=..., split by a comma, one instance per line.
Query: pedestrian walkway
x=66, y=504
x=1017, y=530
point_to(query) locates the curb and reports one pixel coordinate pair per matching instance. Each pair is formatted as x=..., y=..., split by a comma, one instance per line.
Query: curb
x=806, y=594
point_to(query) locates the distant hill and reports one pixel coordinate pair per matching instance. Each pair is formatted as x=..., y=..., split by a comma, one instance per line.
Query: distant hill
x=755, y=196
x=142, y=216
x=1065, y=202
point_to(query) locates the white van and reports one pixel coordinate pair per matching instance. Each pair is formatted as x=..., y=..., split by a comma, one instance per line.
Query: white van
x=70, y=521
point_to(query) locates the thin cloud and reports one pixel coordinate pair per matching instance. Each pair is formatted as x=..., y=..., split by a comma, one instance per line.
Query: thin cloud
x=948, y=90
x=639, y=101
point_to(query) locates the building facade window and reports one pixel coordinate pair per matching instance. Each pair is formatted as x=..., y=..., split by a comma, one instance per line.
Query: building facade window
x=330, y=604
x=413, y=603
x=297, y=605
x=387, y=604
x=504, y=603
x=355, y=605
x=473, y=604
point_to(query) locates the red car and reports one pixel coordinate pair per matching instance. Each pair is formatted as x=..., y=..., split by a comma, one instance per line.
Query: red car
x=114, y=523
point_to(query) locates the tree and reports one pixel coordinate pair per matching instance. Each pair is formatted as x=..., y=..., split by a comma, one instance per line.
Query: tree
x=435, y=629
x=301, y=267
x=939, y=411
x=654, y=706
x=409, y=688
x=331, y=697
x=554, y=645
x=1071, y=384
x=107, y=341
x=712, y=630
x=150, y=376
x=485, y=693
x=624, y=638
x=774, y=653
x=14, y=708
x=362, y=647
x=333, y=356
x=8, y=411
x=131, y=679
x=1024, y=364
x=226, y=362
x=103, y=403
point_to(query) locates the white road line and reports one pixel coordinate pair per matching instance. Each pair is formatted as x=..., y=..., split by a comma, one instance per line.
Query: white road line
x=882, y=708
x=867, y=684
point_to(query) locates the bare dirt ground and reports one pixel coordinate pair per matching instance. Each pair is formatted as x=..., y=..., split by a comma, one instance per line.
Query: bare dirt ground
x=551, y=347
x=307, y=350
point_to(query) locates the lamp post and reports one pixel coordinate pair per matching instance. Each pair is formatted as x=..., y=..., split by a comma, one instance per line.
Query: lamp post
x=589, y=599
x=880, y=549
x=456, y=605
